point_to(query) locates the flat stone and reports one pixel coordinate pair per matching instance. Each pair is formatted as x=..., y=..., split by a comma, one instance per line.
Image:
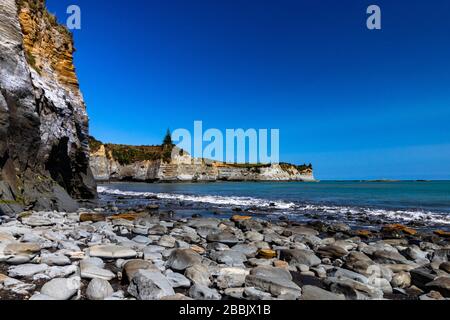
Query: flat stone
x=222, y=237
x=274, y=280
x=150, y=285
x=343, y=273
x=388, y=256
x=316, y=293
x=93, y=269
x=332, y=251
x=267, y=253
x=36, y=221
x=248, y=249
x=99, y=289
x=21, y=248
x=26, y=270
x=181, y=259
x=55, y=259
x=111, y=252
x=167, y=241
x=61, y=289
x=297, y=257
x=252, y=293
x=177, y=280
x=229, y=257
x=353, y=289
x=130, y=268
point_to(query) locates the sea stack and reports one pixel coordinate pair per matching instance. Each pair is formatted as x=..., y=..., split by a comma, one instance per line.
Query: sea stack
x=44, y=150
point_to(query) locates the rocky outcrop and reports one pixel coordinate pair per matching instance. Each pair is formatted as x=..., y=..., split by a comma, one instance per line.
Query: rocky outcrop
x=107, y=165
x=44, y=147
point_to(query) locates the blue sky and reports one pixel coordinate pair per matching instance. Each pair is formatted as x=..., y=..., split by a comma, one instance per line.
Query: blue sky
x=356, y=103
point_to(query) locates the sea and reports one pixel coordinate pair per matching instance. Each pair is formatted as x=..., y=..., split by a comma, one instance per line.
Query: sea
x=369, y=203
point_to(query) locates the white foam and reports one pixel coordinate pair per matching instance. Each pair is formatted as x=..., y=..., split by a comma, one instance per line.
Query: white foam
x=391, y=215
x=211, y=199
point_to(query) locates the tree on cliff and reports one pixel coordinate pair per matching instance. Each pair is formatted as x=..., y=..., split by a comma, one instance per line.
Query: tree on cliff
x=168, y=139
x=167, y=146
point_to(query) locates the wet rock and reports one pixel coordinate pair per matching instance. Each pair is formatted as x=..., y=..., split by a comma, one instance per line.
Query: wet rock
x=297, y=257
x=445, y=266
x=111, y=252
x=150, y=285
x=61, y=289
x=201, y=292
x=420, y=277
x=316, y=293
x=181, y=259
x=441, y=285
x=99, y=289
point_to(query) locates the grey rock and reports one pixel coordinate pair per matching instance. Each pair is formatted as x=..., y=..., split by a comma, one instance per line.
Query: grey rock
x=111, y=252
x=387, y=256
x=99, y=289
x=131, y=267
x=150, y=285
x=177, y=280
x=441, y=285
x=55, y=259
x=222, y=237
x=181, y=259
x=343, y=273
x=231, y=277
x=273, y=281
x=61, y=289
x=229, y=257
x=199, y=274
x=247, y=249
x=26, y=270
x=297, y=257
x=316, y=293
x=252, y=293
x=332, y=251
x=201, y=292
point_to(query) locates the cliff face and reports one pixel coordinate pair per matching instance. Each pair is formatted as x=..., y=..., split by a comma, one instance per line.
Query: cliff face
x=183, y=167
x=44, y=151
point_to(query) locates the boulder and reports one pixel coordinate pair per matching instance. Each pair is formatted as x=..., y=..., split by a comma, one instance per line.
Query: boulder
x=297, y=257
x=61, y=289
x=441, y=285
x=201, y=292
x=99, y=289
x=316, y=293
x=150, y=285
x=181, y=259
x=131, y=267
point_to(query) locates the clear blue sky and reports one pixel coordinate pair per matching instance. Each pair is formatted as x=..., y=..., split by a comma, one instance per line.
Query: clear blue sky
x=358, y=104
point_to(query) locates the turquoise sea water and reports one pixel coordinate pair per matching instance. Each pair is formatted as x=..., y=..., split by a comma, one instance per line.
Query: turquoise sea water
x=410, y=201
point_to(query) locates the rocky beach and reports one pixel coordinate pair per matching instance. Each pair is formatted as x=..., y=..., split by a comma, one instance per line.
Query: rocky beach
x=149, y=253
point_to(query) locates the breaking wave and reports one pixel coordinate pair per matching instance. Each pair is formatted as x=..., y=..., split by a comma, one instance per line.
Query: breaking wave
x=292, y=208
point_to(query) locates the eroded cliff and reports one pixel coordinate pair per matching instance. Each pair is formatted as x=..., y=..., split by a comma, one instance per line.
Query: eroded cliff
x=146, y=163
x=44, y=150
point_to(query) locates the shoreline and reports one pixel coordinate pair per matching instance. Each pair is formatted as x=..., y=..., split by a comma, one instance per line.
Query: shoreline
x=90, y=254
